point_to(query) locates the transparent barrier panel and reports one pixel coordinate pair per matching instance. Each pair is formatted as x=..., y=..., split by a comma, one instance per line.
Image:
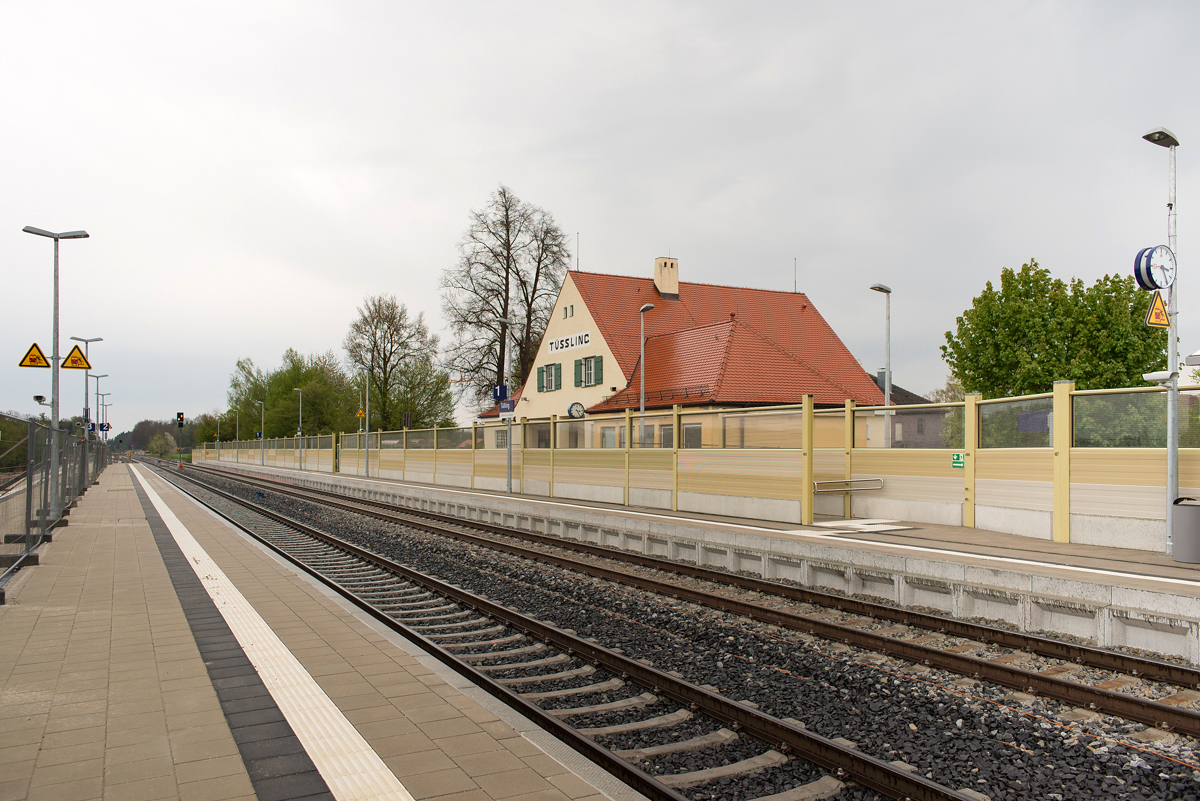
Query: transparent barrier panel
x=1017, y=424
x=764, y=429
x=493, y=437
x=931, y=427
x=1133, y=420
x=537, y=435
x=454, y=438
x=386, y=440
x=420, y=440
x=653, y=431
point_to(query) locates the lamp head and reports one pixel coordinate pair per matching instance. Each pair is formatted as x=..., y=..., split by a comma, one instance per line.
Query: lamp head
x=29, y=229
x=297, y=389
x=884, y=288
x=41, y=399
x=1161, y=137
x=646, y=308
x=89, y=341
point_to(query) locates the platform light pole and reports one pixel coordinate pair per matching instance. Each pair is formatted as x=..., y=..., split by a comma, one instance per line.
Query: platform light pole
x=300, y=426
x=55, y=491
x=642, y=360
x=887, y=362
x=237, y=435
x=1164, y=138
x=87, y=417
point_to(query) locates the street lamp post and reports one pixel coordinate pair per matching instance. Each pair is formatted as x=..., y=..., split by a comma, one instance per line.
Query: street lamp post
x=55, y=491
x=300, y=426
x=87, y=418
x=237, y=435
x=1164, y=138
x=97, y=378
x=887, y=362
x=262, y=432
x=642, y=403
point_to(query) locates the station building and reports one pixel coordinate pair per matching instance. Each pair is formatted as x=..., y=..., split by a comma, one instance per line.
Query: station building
x=707, y=346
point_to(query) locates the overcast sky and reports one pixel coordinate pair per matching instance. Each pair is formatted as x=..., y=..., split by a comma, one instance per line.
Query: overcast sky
x=249, y=171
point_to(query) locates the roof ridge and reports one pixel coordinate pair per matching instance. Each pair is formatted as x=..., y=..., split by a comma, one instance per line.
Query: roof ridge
x=732, y=322
x=698, y=327
x=798, y=360
x=694, y=283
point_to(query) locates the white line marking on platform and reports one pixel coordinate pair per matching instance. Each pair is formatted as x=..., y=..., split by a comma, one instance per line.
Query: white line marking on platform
x=351, y=768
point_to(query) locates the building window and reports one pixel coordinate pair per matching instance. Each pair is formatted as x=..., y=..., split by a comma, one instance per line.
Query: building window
x=589, y=371
x=667, y=433
x=502, y=438
x=693, y=435
x=549, y=378
x=920, y=425
x=899, y=429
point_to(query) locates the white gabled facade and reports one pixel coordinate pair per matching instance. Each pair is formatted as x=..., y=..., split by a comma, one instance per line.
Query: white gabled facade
x=571, y=349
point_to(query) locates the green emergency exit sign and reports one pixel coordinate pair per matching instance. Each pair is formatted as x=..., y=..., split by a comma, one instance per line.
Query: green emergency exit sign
x=958, y=460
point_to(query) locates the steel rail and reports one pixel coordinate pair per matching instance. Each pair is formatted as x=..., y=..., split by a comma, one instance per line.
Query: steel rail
x=846, y=761
x=1071, y=692
x=1156, y=670
x=637, y=779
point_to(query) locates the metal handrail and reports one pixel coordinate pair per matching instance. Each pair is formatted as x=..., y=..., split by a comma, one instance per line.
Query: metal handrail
x=817, y=485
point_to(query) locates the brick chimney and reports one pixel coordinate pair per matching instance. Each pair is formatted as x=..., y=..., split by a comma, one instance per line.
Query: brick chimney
x=666, y=277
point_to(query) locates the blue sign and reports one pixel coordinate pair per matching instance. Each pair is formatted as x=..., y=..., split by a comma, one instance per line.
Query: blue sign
x=91, y=426
x=258, y=435
x=508, y=406
x=499, y=392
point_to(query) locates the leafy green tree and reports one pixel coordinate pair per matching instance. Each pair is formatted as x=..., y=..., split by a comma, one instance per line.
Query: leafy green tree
x=1036, y=329
x=330, y=399
x=161, y=444
x=385, y=343
x=424, y=390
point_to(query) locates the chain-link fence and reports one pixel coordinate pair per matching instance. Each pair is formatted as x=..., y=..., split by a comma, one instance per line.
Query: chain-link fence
x=42, y=472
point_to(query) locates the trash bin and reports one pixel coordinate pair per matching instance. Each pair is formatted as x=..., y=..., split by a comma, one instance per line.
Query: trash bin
x=1187, y=530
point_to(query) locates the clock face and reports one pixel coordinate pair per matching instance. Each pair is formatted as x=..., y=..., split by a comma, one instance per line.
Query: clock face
x=1162, y=267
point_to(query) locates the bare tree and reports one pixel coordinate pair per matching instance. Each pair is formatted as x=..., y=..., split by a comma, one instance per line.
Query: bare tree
x=511, y=264
x=380, y=342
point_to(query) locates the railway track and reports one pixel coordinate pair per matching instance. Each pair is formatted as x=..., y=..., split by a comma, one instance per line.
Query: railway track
x=906, y=637
x=508, y=653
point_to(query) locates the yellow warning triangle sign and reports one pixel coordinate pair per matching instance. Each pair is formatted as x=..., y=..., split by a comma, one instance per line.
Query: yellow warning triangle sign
x=76, y=360
x=360, y=413
x=1156, y=315
x=34, y=357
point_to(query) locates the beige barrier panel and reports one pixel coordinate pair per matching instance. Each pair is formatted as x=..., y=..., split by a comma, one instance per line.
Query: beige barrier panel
x=591, y=474
x=454, y=467
x=742, y=483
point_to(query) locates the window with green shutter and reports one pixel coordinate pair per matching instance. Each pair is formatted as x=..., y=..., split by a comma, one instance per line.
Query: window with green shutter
x=579, y=372
x=558, y=376
x=598, y=370
x=541, y=379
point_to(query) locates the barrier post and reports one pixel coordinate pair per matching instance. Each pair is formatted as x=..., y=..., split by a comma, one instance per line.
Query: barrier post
x=675, y=432
x=848, y=447
x=553, y=446
x=970, y=443
x=474, y=434
x=435, y=450
x=628, y=430
x=522, y=430
x=806, y=464
x=1063, y=426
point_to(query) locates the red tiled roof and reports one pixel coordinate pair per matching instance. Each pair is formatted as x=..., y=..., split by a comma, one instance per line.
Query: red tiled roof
x=745, y=345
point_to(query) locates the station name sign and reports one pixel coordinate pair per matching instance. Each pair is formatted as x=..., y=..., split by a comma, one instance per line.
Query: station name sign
x=580, y=340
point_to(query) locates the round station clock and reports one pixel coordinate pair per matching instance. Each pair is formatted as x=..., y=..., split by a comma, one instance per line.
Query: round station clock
x=576, y=411
x=1154, y=268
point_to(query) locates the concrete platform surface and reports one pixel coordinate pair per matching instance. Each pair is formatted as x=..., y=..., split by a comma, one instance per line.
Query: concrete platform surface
x=123, y=677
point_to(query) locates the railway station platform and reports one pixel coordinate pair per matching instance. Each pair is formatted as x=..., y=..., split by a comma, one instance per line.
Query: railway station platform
x=157, y=653
x=1111, y=597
